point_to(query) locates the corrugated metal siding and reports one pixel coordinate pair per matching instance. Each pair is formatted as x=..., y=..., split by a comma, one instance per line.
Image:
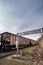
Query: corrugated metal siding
x=0, y=37
x=12, y=39
x=23, y=41
x=4, y=36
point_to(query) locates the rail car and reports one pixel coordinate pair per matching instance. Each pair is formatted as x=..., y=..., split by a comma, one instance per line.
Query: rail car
x=8, y=40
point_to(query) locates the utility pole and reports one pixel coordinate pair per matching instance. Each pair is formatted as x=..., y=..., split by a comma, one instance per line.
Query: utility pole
x=17, y=43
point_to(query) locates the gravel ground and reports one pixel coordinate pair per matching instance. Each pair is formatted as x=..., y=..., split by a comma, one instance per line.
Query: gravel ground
x=10, y=61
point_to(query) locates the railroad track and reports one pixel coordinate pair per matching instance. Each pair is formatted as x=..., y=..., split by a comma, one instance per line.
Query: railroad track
x=5, y=54
x=8, y=53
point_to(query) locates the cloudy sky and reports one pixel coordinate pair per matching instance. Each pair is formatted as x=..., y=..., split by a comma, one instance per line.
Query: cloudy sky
x=21, y=15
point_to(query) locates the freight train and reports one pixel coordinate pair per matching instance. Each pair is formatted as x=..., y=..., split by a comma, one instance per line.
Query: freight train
x=7, y=41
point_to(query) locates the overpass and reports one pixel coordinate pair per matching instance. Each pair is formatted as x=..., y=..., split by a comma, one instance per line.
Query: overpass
x=36, y=31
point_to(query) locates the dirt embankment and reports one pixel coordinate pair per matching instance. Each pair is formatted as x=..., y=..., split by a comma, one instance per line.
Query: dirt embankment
x=36, y=52
x=40, y=41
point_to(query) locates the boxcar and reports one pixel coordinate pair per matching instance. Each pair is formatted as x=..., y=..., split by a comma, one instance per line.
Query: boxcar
x=8, y=40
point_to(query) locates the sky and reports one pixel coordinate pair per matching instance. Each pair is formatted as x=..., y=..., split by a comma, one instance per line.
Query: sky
x=21, y=15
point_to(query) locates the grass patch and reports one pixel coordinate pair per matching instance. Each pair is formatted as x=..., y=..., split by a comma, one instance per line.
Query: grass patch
x=26, y=52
